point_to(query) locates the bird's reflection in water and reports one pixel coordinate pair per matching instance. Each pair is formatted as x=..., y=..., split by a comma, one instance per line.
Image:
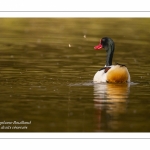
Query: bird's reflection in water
x=110, y=101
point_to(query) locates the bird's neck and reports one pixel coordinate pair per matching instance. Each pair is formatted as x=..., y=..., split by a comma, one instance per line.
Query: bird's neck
x=110, y=52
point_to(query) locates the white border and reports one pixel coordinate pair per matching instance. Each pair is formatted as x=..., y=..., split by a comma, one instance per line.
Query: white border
x=82, y=14
x=70, y=144
x=75, y=135
x=77, y=5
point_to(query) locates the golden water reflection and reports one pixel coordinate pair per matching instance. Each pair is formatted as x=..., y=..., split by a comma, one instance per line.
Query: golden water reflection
x=110, y=101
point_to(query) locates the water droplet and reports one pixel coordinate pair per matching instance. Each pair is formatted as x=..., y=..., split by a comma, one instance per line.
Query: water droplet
x=84, y=36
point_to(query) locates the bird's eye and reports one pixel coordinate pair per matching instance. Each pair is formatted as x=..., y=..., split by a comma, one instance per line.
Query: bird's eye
x=103, y=40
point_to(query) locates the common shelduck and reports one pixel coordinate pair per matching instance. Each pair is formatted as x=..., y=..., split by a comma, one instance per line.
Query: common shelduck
x=111, y=73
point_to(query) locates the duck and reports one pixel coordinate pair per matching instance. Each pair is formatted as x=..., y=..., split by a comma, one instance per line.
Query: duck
x=117, y=73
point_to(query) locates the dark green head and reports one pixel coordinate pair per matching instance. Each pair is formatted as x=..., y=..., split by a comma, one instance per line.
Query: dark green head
x=109, y=45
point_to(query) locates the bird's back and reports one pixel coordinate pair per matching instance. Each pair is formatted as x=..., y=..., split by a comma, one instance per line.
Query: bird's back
x=118, y=74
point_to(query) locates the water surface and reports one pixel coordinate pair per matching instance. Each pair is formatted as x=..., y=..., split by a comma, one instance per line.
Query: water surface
x=46, y=72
